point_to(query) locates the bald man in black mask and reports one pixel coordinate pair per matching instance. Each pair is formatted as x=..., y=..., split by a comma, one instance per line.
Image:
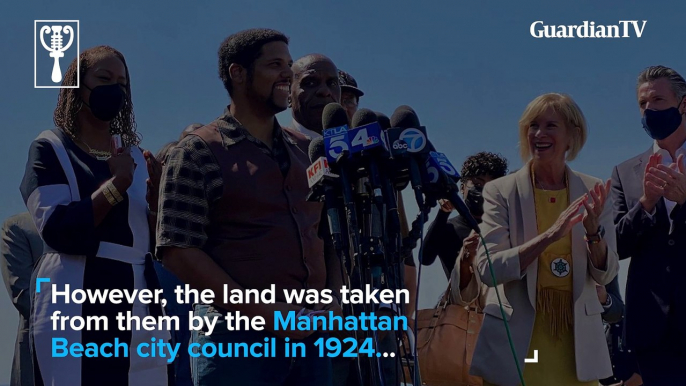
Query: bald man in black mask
x=315, y=84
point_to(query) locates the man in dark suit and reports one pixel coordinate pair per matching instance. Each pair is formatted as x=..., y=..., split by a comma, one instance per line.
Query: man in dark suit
x=624, y=368
x=649, y=194
x=21, y=247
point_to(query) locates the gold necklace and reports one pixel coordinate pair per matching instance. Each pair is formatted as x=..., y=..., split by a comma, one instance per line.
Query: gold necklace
x=100, y=155
x=533, y=182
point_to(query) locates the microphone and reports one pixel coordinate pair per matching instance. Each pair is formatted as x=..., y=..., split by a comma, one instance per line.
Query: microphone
x=383, y=120
x=335, y=133
x=399, y=172
x=379, y=167
x=407, y=136
x=366, y=135
x=366, y=141
x=438, y=171
x=337, y=149
x=319, y=170
x=322, y=180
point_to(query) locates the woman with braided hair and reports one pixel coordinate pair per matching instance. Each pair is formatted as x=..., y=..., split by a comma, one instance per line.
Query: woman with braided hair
x=94, y=205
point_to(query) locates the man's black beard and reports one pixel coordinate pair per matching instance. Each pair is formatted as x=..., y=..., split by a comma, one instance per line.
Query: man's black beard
x=263, y=104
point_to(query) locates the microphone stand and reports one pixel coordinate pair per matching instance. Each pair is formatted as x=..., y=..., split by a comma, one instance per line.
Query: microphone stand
x=371, y=261
x=409, y=243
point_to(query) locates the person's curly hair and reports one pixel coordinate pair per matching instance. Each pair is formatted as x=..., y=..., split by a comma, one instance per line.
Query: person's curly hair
x=69, y=102
x=244, y=48
x=484, y=163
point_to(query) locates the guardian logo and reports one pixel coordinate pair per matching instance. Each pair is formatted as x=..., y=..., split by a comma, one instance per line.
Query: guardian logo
x=623, y=29
x=55, y=46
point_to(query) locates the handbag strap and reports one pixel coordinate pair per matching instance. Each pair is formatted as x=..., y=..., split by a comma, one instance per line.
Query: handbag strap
x=442, y=304
x=445, y=300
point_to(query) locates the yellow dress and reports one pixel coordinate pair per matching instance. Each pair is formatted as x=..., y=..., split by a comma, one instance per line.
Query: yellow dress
x=553, y=334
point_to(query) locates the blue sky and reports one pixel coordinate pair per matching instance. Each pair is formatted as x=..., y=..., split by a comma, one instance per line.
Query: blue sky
x=468, y=69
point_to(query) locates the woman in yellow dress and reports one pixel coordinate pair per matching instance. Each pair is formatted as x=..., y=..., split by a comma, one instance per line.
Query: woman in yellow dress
x=551, y=238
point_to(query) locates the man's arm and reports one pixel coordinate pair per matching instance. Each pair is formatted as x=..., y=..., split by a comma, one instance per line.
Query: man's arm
x=17, y=264
x=633, y=225
x=440, y=233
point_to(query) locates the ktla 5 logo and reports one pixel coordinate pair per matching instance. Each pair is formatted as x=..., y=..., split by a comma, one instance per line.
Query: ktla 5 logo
x=55, y=47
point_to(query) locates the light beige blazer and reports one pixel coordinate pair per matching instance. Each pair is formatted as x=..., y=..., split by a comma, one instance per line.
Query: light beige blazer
x=509, y=221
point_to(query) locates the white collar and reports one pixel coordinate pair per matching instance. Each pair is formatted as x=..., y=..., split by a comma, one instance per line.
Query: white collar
x=305, y=131
x=666, y=157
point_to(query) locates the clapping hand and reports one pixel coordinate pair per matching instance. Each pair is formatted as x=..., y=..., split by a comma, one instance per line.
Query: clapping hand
x=667, y=181
x=590, y=218
x=594, y=209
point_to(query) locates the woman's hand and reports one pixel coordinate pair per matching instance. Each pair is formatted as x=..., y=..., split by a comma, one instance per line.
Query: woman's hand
x=122, y=167
x=469, y=247
x=466, y=257
x=602, y=293
x=153, y=181
x=567, y=219
x=599, y=195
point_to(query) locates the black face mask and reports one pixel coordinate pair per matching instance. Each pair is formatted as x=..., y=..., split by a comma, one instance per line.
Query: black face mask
x=106, y=101
x=660, y=124
x=475, y=201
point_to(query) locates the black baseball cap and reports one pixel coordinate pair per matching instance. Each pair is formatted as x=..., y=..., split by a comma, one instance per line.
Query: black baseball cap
x=348, y=83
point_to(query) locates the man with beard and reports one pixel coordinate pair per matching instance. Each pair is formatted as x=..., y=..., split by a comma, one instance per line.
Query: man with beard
x=233, y=213
x=315, y=85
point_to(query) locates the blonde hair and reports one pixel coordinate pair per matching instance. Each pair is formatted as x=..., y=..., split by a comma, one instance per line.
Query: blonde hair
x=568, y=110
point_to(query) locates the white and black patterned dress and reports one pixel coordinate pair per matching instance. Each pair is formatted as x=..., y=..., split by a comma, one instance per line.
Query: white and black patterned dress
x=57, y=187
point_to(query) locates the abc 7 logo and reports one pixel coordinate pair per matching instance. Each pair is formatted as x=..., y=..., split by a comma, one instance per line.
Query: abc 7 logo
x=399, y=145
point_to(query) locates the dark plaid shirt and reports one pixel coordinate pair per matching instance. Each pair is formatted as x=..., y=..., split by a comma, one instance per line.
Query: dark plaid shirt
x=192, y=181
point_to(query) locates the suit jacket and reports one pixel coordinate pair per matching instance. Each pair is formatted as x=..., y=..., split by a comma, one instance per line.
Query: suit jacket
x=509, y=221
x=21, y=247
x=655, y=300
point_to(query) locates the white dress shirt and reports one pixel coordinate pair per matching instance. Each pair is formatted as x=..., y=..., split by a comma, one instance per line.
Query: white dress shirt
x=667, y=160
x=305, y=131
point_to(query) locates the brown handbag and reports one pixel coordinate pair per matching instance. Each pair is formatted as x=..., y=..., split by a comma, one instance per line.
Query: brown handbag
x=446, y=337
